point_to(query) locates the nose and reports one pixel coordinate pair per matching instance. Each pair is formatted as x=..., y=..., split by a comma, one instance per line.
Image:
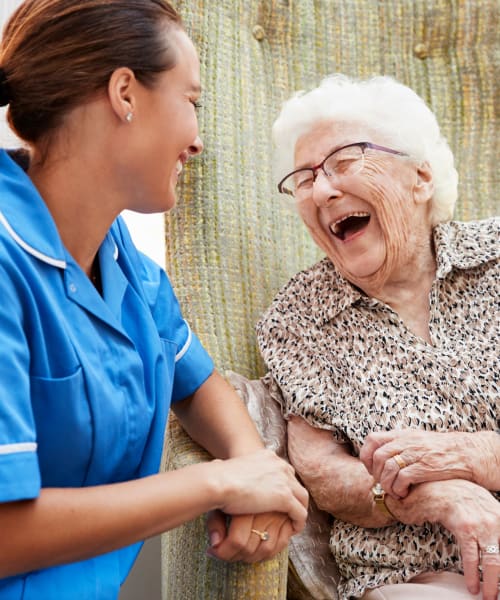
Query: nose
x=196, y=147
x=325, y=191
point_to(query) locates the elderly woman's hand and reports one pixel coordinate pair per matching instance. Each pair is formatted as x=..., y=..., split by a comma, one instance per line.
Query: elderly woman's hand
x=471, y=514
x=400, y=458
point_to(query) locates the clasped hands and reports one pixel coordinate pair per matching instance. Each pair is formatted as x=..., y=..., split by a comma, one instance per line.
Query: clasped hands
x=446, y=478
x=242, y=537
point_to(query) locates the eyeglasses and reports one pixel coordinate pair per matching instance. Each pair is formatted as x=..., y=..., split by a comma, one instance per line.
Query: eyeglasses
x=347, y=160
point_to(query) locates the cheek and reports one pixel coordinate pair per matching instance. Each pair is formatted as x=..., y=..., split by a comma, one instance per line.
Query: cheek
x=306, y=212
x=393, y=207
x=312, y=220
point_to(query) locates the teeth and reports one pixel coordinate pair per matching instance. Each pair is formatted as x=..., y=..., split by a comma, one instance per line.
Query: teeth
x=178, y=167
x=334, y=226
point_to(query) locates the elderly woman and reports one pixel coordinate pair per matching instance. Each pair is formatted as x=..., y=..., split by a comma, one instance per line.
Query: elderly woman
x=386, y=351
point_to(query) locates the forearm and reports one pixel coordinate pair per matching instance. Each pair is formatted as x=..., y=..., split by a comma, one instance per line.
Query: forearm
x=217, y=419
x=338, y=482
x=485, y=459
x=446, y=502
x=343, y=488
x=66, y=525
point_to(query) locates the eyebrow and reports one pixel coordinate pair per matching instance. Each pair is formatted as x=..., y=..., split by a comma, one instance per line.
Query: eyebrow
x=334, y=149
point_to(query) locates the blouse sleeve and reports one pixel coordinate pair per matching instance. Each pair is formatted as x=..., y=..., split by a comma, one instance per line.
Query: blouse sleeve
x=19, y=470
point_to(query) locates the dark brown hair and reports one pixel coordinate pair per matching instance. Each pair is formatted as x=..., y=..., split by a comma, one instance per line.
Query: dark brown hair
x=55, y=54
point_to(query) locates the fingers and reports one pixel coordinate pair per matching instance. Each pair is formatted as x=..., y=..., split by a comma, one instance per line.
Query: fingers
x=396, y=476
x=383, y=459
x=470, y=560
x=298, y=510
x=216, y=527
x=254, y=538
x=239, y=538
x=490, y=570
x=261, y=483
x=372, y=443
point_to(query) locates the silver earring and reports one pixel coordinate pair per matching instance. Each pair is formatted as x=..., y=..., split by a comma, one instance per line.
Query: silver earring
x=128, y=117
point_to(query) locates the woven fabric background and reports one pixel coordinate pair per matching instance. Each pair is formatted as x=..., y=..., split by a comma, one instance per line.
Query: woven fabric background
x=231, y=242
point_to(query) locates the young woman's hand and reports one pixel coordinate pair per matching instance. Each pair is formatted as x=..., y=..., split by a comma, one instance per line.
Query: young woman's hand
x=248, y=538
x=260, y=482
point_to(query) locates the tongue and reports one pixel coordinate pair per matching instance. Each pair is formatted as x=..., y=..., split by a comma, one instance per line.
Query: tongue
x=351, y=226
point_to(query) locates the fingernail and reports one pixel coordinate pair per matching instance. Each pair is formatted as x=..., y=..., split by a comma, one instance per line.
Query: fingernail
x=214, y=538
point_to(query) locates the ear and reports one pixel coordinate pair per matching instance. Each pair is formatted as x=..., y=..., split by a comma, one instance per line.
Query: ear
x=122, y=88
x=423, y=189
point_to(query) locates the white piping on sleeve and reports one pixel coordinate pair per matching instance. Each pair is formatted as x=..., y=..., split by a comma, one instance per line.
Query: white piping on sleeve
x=184, y=348
x=47, y=259
x=17, y=448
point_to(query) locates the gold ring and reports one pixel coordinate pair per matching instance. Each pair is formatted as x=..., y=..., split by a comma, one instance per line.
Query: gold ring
x=264, y=535
x=399, y=461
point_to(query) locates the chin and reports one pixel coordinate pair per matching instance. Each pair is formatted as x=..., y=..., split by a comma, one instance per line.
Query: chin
x=170, y=199
x=356, y=271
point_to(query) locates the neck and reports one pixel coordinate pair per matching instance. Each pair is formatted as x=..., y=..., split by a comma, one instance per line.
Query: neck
x=407, y=291
x=76, y=178
x=80, y=203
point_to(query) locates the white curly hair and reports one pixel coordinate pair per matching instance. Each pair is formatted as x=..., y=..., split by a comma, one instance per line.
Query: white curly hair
x=383, y=105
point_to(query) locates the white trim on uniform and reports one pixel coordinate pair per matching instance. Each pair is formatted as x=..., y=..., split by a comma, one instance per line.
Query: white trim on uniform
x=184, y=348
x=47, y=259
x=17, y=448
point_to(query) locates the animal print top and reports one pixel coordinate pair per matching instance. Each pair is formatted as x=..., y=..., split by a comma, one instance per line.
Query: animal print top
x=346, y=362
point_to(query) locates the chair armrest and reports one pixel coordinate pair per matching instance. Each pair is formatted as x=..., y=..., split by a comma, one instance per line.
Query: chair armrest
x=187, y=571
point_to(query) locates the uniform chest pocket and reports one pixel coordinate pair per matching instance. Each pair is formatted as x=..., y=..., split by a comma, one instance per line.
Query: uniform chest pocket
x=64, y=429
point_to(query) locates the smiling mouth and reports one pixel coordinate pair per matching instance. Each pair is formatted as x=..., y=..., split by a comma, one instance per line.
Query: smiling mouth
x=349, y=225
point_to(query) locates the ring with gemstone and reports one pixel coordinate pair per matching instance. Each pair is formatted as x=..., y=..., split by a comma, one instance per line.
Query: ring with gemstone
x=264, y=535
x=491, y=549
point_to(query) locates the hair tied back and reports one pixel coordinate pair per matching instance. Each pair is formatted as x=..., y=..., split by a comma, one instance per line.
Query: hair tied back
x=4, y=89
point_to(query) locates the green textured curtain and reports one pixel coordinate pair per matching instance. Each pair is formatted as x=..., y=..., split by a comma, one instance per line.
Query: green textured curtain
x=231, y=243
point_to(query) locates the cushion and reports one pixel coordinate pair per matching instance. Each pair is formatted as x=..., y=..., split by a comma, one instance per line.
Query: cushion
x=308, y=551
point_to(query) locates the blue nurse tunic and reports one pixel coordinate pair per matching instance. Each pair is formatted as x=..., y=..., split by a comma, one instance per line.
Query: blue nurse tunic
x=86, y=380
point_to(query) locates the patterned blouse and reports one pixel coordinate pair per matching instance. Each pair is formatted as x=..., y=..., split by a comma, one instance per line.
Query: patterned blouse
x=346, y=362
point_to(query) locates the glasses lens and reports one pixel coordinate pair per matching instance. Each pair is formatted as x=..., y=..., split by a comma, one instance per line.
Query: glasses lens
x=298, y=182
x=346, y=161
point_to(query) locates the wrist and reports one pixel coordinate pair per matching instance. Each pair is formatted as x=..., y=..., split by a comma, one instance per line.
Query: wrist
x=379, y=498
x=484, y=459
x=428, y=502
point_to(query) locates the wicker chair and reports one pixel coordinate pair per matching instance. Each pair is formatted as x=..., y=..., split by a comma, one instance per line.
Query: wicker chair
x=231, y=244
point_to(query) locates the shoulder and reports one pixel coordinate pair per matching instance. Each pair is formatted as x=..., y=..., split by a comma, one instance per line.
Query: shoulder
x=468, y=244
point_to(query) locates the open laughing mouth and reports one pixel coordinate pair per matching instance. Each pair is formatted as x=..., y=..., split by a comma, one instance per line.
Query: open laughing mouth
x=349, y=225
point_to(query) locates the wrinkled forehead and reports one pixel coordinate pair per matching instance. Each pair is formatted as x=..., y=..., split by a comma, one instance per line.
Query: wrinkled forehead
x=326, y=135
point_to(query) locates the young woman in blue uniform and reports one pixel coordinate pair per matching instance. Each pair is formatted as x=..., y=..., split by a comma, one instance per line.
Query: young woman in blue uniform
x=94, y=346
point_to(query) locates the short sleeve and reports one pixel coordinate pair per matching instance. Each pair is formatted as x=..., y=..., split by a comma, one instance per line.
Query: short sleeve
x=307, y=389
x=19, y=470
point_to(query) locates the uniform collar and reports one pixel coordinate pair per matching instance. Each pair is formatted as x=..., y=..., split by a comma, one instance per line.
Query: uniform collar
x=26, y=216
